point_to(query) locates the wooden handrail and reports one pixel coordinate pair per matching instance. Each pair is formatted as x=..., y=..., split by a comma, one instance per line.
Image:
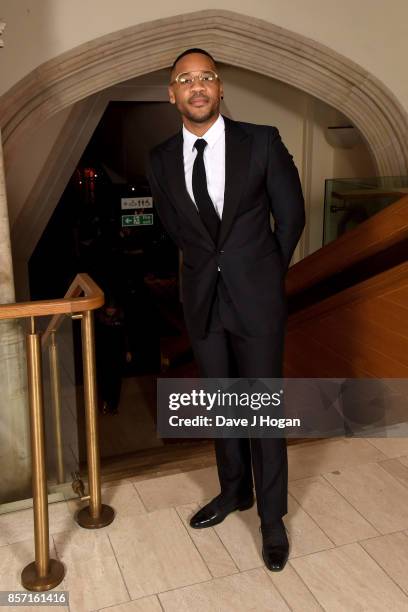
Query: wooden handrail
x=94, y=298
x=72, y=302
x=381, y=231
x=363, y=290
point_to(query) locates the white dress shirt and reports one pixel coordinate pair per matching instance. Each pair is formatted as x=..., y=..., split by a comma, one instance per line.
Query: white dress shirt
x=214, y=161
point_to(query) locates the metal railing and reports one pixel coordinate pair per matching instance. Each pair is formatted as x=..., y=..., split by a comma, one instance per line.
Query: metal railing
x=82, y=297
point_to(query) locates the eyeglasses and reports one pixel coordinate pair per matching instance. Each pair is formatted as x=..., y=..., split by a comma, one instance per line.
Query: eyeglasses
x=187, y=78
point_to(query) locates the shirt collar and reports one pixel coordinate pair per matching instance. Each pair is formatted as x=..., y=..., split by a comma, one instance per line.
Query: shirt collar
x=211, y=135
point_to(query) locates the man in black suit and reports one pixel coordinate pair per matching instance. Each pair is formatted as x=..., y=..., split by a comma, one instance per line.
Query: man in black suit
x=214, y=186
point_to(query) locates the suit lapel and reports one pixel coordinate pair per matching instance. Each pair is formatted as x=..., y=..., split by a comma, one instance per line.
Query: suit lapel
x=237, y=157
x=174, y=163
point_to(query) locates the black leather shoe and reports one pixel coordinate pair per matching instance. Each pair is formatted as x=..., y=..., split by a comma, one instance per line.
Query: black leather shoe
x=275, y=546
x=215, y=511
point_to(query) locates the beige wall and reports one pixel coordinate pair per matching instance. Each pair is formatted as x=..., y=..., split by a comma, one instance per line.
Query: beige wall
x=373, y=33
x=346, y=161
x=252, y=97
x=30, y=159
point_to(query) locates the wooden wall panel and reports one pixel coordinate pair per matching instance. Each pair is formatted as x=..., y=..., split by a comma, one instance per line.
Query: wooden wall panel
x=399, y=296
x=308, y=356
x=377, y=234
x=393, y=316
x=362, y=332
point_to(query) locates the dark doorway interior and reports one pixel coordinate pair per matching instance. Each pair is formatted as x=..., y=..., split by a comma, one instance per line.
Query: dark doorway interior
x=141, y=333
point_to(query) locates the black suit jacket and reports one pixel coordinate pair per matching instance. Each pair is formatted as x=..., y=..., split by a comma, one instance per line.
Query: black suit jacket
x=260, y=177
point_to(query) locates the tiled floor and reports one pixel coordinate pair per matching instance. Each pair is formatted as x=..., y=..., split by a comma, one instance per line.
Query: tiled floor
x=347, y=524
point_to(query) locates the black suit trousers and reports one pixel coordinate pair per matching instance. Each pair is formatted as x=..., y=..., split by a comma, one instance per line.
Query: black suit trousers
x=224, y=353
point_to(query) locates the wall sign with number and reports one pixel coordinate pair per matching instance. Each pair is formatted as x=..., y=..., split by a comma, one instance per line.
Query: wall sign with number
x=130, y=203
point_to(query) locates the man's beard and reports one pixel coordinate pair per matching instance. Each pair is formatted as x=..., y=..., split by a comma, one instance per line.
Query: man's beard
x=202, y=118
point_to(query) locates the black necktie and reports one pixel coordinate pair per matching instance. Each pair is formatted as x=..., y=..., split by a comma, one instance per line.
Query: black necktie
x=202, y=198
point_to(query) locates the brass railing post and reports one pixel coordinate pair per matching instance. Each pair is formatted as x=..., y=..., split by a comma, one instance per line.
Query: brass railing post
x=43, y=573
x=96, y=514
x=56, y=406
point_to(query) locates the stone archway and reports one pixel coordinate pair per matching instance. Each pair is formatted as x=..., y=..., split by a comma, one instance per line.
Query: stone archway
x=235, y=39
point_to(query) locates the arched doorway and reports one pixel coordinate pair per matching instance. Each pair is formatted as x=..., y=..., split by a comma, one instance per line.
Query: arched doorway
x=234, y=39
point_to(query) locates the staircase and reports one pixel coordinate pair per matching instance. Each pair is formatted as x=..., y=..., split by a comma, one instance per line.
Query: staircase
x=348, y=303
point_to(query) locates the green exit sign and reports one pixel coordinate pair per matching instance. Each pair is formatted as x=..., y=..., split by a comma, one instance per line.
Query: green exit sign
x=136, y=220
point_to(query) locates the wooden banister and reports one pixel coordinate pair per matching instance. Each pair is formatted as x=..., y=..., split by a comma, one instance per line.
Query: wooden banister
x=366, y=289
x=381, y=231
x=73, y=301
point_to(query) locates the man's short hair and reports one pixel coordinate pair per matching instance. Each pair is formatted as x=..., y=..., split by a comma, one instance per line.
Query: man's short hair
x=193, y=50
